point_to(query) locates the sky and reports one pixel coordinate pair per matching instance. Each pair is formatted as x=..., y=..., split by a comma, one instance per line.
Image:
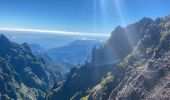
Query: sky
x=86, y=16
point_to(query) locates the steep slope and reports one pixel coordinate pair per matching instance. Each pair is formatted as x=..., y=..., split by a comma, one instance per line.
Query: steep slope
x=11, y=86
x=62, y=59
x=75, y=52
x=53, y=66
x=25, y=69
x=36, y=48
x=143, y=65
x=121, y=42
x=80, y=81
x=146, y=67
x=99, y=64
x=149, y=80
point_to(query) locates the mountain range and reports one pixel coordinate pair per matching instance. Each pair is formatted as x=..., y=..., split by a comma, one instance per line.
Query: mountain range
x=22, y=75
x=62, y=59
x=132, y=65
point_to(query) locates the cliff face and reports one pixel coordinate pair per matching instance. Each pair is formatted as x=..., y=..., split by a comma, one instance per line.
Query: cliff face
x=147, y=68
x=142, y=72
x=11, y=86
x=121, y=42
x=22, y=74
x=150, y=81
x=80, y=81
x=150, y=78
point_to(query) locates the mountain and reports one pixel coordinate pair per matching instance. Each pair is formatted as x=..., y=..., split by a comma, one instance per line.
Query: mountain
x=64, y=58
x=36, y=48
x=11, y=86
x=149, y=64
x=132, y=65
x=23, y=75
x=79, y=81
x=47, y=41
x=121, y=42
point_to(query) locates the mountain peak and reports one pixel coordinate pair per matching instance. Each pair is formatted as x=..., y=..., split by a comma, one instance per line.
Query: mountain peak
x=3, y=37
x=144, y=19
x=4, y=40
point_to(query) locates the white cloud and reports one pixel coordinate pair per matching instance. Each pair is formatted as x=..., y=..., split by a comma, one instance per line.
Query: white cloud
x=42, y=31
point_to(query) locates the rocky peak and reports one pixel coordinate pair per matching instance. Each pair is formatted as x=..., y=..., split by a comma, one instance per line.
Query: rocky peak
x=3, y=37
x=4, y=40
x=145, y=20
x=142, y=73
x=121, y=42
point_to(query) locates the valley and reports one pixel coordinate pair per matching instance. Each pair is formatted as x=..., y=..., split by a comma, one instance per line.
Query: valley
x=84, y=50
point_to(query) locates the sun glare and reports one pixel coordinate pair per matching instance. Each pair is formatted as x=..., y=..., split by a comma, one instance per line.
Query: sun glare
x=107, y=8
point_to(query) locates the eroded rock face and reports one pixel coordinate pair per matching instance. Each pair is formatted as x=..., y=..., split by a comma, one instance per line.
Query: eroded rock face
x=121, y=42
x=11, y=86
x=80, y=81
x=150, y=81
x=22, y=75
x=143, y=70
x=147, y=68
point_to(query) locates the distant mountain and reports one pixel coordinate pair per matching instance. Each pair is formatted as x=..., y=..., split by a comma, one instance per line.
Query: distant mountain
x=141, y=71
x=36, y=48
x=47, y=41
x=22, y=75
x=68, y=56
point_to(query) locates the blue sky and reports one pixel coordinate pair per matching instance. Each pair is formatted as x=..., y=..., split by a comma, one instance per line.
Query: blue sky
x=99, y=16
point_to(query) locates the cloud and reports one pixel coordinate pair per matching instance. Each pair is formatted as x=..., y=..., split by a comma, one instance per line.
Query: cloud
x=42, y=31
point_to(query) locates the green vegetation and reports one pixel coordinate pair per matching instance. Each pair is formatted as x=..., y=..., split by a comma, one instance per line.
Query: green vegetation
x=109, y=78
x=139, y=63
x=22, y=75
x=149, y=50
x=163, y=44
x=163, y=36
x=85, y=98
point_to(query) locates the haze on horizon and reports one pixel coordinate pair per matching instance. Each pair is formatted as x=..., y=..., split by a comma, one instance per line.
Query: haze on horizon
x=96, y=17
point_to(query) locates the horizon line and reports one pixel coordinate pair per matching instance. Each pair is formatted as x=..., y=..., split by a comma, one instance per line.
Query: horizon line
x=54, y=32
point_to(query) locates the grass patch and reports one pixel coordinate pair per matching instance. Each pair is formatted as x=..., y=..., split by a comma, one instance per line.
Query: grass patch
x=164, y=35
x=85, y=97
x=109, y=78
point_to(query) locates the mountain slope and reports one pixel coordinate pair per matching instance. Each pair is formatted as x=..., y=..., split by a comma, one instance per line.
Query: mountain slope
x=143, y=66
x=80, y=80
x=62, y=59
x=121, y=42
x=149, y=80
x=23, y=69
x=146, y=67
x=11, y=86
x=98, y=67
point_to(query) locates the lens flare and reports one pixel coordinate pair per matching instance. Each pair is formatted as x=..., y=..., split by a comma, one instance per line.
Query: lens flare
x=110, y=8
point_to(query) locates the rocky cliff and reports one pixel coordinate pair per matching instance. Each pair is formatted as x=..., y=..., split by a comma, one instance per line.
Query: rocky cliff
x=22, y=75
x=140, y=53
